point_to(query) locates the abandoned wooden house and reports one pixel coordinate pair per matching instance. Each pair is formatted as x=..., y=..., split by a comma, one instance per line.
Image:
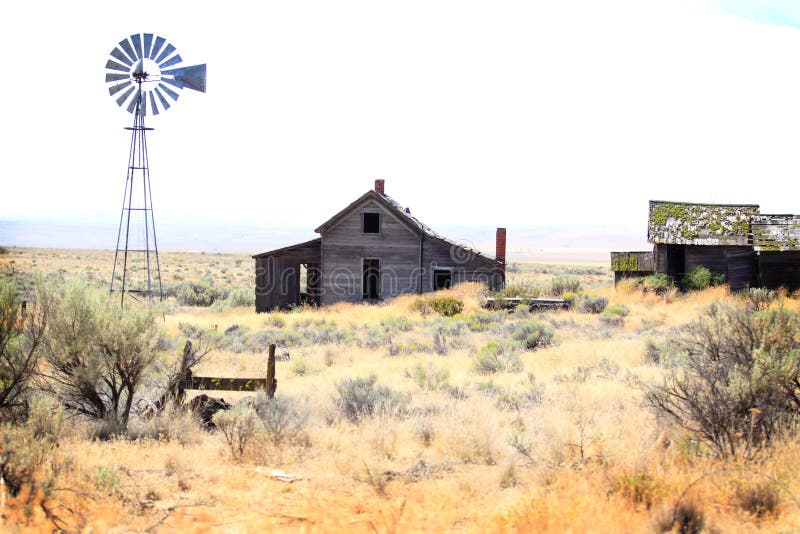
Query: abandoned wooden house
x=371, y=250
x=749, y=248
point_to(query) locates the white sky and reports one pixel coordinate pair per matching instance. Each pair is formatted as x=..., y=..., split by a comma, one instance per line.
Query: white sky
x=476, y=113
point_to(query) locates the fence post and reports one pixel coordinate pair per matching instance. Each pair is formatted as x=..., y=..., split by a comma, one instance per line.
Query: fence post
x=272, y=382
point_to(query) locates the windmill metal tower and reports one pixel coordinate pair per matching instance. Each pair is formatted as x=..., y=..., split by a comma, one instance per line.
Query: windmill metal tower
x=141, y=66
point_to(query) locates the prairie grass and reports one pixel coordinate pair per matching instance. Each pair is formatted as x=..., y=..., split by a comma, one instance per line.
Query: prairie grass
x=563, y=444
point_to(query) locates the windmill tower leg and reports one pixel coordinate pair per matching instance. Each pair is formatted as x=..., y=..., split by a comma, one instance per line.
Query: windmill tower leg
x=137, y=272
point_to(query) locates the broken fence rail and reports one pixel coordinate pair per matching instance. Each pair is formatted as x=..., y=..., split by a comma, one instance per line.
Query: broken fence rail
x=268, y=383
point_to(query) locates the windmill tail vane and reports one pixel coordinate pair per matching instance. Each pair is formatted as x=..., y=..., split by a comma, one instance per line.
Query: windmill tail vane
x=143, y=68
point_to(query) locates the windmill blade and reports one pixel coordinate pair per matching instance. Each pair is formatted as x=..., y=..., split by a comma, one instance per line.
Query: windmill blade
x=117, y=54
x=121, y=100
x=111, y=77
x=193, y=77
x=172, y=61
x=113, y=65
x=148, y=43
x=142, y=104
x=126, y=46
x=172, y=94
x=153, y=103
x=173, y=82
x=135, y=100
x=157, y=47
x=119, y=87
x=137, y=44
x=169, y=49
x=164, y=102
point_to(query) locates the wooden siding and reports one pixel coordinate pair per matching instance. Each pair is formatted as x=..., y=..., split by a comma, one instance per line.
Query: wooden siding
x=466, y=266
x=740, y=269
x=277, y=283
x=278, y=275
x=779, y=269
x=345, y=246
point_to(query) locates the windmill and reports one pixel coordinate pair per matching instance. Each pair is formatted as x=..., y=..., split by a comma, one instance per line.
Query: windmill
x=144, y=74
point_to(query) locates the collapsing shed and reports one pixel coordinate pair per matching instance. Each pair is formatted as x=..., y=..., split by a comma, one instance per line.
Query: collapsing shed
x=734, y=240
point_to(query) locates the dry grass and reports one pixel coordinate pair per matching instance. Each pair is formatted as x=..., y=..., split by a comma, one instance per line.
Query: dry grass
x=563, y=446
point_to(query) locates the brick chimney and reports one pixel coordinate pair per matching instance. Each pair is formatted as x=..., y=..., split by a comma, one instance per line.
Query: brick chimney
x=379, y=186
x=500, y=255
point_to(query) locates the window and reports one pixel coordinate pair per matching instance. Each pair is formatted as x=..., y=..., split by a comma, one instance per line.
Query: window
x=371, y=271
x=371, y=223
x=442, y=278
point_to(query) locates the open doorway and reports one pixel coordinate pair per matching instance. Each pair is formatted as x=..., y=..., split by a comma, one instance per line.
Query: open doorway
x=442, y=279
x=371, y=270
x=676, y=261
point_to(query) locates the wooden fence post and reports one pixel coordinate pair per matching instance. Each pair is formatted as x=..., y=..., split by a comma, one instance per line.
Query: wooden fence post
x=272, y=382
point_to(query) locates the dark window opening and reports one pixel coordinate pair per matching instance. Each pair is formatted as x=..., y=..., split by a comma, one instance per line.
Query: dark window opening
x=371, y=278
x=442, y=279
x=372, y=223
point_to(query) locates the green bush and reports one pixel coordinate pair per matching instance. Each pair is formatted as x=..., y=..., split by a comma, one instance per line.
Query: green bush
x=564, y=284
x=701, y=278
x=614, y=315
x=594, y=304
x=359, y=398
x=430, y=378
x=238, y=297
x=201, y=293
x=494, y=358
x=446, y=306
x=657, y=282
x=533, y=334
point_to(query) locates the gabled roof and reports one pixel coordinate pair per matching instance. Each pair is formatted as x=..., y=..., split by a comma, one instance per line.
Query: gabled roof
x=403, y=214
x=684, y=223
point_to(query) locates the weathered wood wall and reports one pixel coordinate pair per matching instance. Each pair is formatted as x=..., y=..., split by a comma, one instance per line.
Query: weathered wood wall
x=779, y=269
x=278, y=275
x=465, y=265
x=345, y=246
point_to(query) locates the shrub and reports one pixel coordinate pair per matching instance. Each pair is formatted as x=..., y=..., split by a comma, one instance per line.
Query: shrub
x=594, y=304
x=430, y=378
x=238, y=297
x=97, y=354
x=494, y=358
x=26, y=462
x=700, y=278
x=735, y=387
x=21, y=336
x=201, y=293
x=239, y=425
x=761, y=298
x=283, y=419
x=657, y=282
x=446, y=306
x=359, y=398
x=533, y=334
x=759, y=499
x=564, y=284
x=614, y=315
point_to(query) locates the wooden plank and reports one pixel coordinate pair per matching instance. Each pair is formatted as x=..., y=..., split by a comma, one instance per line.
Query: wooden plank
x=226, y=384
